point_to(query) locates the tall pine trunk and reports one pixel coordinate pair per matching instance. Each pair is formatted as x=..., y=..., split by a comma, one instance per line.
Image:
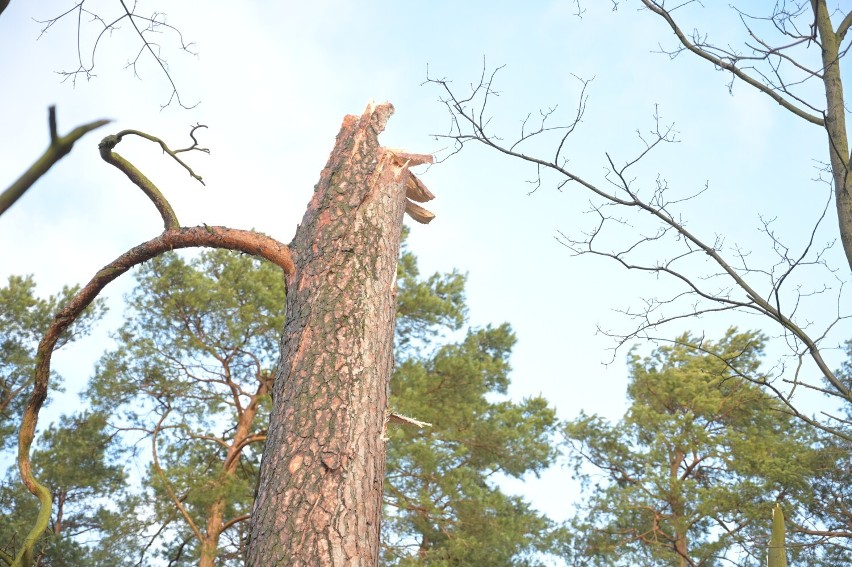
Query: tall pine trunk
x=319, y=497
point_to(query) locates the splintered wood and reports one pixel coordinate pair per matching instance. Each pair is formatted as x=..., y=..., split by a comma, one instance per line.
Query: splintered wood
x=415, y=190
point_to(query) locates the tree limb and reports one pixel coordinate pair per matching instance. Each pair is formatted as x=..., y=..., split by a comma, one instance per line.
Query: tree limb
x=844, y=27
x=722, y=64
x=59, y=147
x=139, y=179
x=235, y=520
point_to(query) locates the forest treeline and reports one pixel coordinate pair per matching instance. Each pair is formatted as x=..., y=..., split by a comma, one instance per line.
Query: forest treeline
x=160, y=458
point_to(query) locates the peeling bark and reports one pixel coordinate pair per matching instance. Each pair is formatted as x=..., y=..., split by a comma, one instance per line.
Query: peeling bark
x=319, y=497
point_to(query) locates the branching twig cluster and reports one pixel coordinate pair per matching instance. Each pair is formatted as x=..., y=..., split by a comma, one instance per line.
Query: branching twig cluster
x=800, y=69
x=106, y=146
x=147, y=28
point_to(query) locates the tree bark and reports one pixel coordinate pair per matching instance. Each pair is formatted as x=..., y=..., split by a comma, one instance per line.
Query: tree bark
x=678, y=511
x=209, y=545
x=835, y=123
x=216, y=524
x=319, y=497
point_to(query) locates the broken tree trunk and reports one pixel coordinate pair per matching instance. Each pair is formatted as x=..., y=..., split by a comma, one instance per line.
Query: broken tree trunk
x=319, y=497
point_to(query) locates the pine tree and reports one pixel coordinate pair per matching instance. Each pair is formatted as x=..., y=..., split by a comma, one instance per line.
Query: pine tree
x=78, y=462
x=24, y=317
x=195, y=358
x=690, y=473
x=442, y=504
x=191, y=379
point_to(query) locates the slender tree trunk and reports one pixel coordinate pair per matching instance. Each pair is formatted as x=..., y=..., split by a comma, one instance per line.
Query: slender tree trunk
x=210, y=543
x=681, y=543
x=835, y=124
x=216, y=513
x=319, y=496
x=60, y=507
x=681, y=549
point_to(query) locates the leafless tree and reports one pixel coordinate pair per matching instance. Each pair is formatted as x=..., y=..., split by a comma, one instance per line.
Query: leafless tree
x=639, y=224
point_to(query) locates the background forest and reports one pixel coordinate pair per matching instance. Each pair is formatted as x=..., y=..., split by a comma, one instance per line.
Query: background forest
x=628, y=325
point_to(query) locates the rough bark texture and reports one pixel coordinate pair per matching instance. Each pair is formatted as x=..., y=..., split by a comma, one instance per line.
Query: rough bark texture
x=319, y=497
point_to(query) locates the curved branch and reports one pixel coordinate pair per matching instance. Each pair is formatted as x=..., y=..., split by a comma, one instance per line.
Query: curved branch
x=59, y=147
x=249, y=242
x=844, y=27
x=139, y=179
x=237, y=449
x=234, y=521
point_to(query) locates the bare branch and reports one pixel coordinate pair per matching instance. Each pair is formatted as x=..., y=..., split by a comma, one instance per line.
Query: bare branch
x=139, y=179
x=844, y=27
x=143, y=27
x=728, y=65
x=149, y=47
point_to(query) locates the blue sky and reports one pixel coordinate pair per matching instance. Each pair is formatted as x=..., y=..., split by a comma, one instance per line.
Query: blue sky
x=274, y=81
